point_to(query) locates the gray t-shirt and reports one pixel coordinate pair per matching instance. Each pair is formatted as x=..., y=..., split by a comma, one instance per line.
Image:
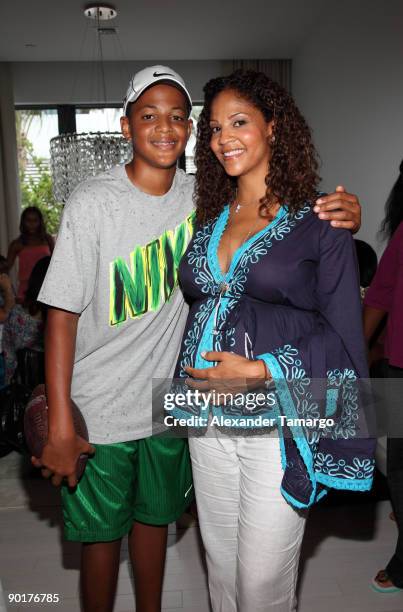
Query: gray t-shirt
x=115, y=263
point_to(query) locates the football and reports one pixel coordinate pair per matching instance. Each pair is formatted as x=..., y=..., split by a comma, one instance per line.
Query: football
x=36, y=426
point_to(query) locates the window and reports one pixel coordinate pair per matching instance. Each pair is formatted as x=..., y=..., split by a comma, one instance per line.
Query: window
x=35, y=128
x=98, y=119
x=189, y=152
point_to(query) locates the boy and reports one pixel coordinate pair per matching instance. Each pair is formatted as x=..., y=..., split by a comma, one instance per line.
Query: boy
x=116, y=319
x=117, y=315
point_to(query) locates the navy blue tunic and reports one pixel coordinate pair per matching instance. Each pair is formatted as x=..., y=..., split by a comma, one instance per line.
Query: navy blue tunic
x=290, y=297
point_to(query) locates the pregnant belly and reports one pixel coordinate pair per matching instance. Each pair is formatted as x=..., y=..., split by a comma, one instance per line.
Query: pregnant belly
x=255, y=327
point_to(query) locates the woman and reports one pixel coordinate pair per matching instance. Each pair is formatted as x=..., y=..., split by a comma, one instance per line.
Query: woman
x=274, y=297
x=25, y=324
x=384, y=298
x=33, y=244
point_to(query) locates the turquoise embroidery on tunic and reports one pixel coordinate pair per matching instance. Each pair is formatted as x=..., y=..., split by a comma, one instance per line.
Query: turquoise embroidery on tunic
x=293, y=385
x=203, y=257
x=359, y=468
x=288, y=408
x=346, y=381
x=331, y=401
x=192, y=339
x=306, y=406
x=290, y=379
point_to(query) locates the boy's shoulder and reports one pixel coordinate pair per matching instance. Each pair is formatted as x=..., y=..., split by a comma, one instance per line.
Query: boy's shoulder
x=187, y=180
x=96, y=191
x=109, y=179
x=116, y=179
x=184, y=188
x=113, y=189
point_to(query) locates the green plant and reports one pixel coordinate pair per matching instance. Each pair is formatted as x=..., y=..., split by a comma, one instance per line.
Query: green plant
x=35, y=191
x=39, y=193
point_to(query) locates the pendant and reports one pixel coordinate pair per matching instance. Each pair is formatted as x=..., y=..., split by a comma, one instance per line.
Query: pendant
x=223, y=288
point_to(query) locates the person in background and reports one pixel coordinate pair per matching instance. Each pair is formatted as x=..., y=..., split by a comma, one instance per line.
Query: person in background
x=33, y=244
x=385, y=299
x=24, y=327
x=7, y=302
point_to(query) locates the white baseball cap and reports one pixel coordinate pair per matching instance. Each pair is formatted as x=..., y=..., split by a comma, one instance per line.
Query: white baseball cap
x=151, y=76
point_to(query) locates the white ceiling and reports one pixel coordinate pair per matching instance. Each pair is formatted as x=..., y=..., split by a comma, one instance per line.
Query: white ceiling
x=157, y=29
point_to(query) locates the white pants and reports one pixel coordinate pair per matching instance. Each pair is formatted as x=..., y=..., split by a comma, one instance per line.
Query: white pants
x=252, y=536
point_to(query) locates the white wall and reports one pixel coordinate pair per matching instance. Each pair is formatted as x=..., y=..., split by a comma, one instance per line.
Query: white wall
x=79, y=82
x=348, y=82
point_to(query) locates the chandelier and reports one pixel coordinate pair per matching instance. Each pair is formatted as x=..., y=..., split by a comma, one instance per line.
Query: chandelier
x=75, y=157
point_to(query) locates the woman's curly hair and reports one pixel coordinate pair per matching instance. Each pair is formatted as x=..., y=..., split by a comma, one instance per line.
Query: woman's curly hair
x=292, y=178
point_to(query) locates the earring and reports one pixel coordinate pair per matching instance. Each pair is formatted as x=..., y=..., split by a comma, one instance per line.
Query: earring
x=273, y=139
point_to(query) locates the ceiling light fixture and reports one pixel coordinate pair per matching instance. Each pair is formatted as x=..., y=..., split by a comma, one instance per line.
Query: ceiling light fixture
x=100, y=12
x=75, y=157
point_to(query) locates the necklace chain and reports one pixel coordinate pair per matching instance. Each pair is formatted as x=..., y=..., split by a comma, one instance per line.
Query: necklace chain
x=238, y=206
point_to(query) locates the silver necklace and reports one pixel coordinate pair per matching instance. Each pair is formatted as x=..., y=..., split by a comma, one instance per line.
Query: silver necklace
x=238, y=206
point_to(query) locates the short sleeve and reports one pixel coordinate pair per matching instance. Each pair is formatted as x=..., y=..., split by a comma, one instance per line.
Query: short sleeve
x=71, y=278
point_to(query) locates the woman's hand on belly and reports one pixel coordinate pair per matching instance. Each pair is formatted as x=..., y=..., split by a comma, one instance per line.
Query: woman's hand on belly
x=232, y=374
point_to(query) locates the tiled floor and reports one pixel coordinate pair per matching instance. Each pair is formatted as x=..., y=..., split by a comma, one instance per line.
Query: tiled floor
x=343, y=548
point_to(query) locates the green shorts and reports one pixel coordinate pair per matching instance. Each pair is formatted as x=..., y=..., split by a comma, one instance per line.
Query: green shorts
x=148, y=480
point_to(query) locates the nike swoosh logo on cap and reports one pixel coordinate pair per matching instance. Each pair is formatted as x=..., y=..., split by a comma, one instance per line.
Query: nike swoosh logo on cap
x=157, y=74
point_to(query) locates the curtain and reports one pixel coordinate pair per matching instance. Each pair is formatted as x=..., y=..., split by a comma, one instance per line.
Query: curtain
x=9, y=181
x=277, y=69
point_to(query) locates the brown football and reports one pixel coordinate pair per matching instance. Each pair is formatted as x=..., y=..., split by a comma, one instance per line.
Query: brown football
x=36, y=426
